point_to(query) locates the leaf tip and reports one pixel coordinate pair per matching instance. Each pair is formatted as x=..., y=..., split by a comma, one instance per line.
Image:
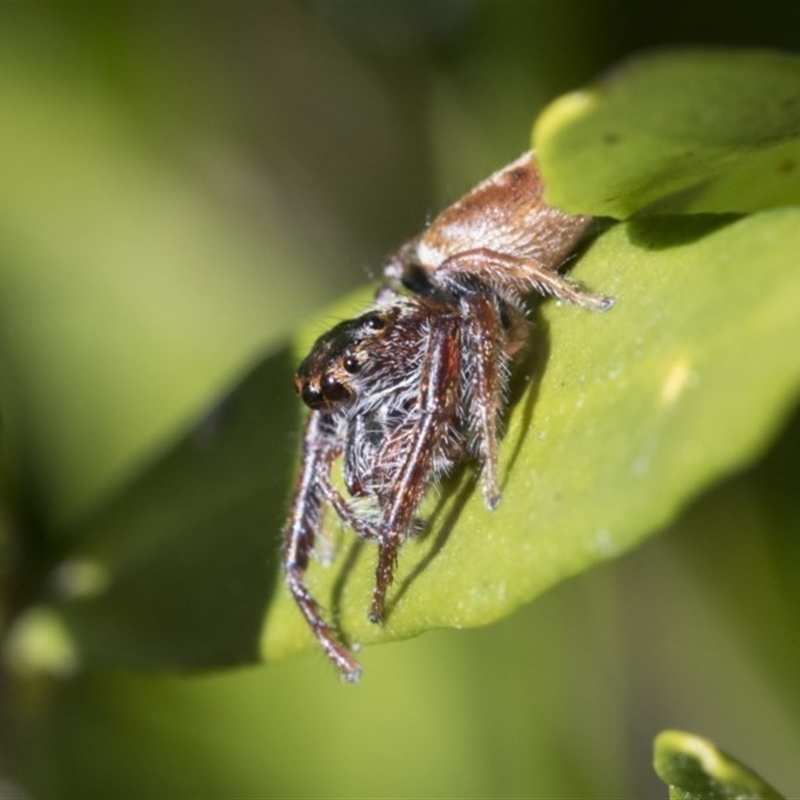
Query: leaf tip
x=560, y=113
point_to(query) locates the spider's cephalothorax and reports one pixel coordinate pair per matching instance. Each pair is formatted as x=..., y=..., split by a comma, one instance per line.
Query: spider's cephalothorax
x=418, y=383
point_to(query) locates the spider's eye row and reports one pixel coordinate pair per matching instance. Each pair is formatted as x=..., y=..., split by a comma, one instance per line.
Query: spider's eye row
x=351, y=364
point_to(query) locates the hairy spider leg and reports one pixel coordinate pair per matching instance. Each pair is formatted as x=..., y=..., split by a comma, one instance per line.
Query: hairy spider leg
x=319, y=452
x=472, y=275
x=346, y=513
x=482, y=332
x=437, y=404
x=516, y=275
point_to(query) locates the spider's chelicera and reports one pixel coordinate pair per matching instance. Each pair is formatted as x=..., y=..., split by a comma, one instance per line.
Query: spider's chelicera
x=418, y=383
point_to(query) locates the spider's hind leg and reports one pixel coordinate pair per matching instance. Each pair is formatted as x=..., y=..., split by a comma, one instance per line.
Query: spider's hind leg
x=517, y=275
x=486, y=356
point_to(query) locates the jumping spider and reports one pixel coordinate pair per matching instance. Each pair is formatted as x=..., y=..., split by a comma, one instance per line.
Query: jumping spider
x=418, y=383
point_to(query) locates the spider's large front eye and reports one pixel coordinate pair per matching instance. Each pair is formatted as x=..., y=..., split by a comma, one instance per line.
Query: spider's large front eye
x=311, y=397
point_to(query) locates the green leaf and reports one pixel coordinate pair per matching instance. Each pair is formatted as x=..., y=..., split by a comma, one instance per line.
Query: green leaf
x=694, y=769
x=627, y=415
x=618, y=420
x=720, y=127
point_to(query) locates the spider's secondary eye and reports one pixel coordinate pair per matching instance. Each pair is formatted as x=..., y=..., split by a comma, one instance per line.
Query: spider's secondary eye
x=374, y=322
x=351, y=365
x=333, y=390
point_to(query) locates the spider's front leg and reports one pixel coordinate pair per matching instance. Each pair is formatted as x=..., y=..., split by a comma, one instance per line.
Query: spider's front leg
x=437, y=406
x=320, y=448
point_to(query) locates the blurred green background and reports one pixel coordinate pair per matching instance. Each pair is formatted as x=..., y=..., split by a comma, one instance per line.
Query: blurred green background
x=181, y=186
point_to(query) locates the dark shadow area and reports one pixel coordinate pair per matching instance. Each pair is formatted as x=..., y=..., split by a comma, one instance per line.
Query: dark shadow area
x=192, y=545
x=660, y=232
x=526, y=380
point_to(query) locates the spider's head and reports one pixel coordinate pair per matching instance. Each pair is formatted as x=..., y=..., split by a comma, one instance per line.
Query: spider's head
x=326, y=379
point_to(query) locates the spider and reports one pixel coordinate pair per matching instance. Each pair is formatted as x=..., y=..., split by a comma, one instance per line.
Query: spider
x=418, y=383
